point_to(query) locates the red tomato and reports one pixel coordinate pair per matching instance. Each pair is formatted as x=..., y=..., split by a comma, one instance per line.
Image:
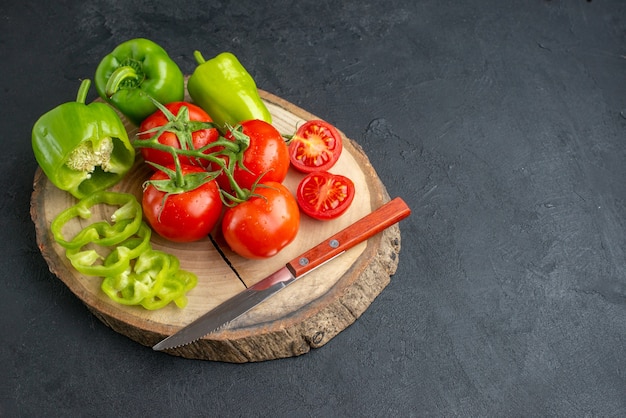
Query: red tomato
x=183, y=217
x=323, y=195
x=267, y=153
x=316, y=146
x=200, y=138
x=262, y=226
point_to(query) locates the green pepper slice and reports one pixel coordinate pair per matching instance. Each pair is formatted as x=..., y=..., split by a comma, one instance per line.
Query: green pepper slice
x=133, y=272
x=143, y=280
x=133, y=73
x=82, y=148
x=173, y=289
x=117, y=261
x=226, y=91
x=153, y=282
x=127, y=220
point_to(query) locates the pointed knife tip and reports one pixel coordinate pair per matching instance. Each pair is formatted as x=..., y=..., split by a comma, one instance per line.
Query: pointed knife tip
x=163, y=345
x=170, y=343
x=159, y=346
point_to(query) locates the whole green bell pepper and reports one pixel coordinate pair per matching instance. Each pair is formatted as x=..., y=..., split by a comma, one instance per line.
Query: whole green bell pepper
x=226, y=91
x=135, y=71
x=82, y=148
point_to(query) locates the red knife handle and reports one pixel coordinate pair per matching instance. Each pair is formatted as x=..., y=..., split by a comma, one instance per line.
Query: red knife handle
x=366, y=227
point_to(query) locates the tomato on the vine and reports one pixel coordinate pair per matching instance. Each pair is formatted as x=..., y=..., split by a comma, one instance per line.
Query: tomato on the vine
x=266, y=155
x=262, y=225
x=316, y=146
x=182, y=217
x=199, y=138
x=324, y=196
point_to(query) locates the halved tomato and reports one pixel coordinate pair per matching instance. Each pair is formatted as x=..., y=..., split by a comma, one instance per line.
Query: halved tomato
x=316, y=146
x=324, y=196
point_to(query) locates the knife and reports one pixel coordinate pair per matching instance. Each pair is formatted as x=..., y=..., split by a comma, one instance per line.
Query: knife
x=366, y=227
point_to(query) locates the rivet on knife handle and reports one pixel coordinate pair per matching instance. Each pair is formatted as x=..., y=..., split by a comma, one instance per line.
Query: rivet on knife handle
x=366, y=227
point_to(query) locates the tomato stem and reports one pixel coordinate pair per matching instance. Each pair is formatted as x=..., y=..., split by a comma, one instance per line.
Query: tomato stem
x=226, y=150
x=180, y=179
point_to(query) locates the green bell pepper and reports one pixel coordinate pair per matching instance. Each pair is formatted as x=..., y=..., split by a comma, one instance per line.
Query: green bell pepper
x=226, y=91
x=82, y=148
x=133, y=73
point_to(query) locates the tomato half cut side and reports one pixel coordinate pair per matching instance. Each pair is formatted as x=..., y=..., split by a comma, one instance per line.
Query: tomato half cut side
x=325, y=196
x=316, y=146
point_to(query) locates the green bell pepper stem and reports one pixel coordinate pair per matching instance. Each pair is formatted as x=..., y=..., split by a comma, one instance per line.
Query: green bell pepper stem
x=83, y=89
x=82, y=148
x=226, y=91
x=135, y=72
x=119, y=77
x=127, y=220
x=116, y=262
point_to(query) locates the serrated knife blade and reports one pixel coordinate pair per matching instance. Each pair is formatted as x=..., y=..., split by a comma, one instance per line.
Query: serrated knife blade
x=366, y=227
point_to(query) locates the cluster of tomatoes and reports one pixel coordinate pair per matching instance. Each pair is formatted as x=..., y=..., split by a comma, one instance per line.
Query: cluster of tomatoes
x=245, y=201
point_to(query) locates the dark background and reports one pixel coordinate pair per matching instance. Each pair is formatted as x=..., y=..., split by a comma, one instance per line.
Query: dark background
x=501, y=123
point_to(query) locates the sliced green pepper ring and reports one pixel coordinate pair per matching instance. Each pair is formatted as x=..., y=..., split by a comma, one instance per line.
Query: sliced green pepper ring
x=144, y=280
x=190, y=280
x=174, y=289
x=129, y=288
x=117, y=261
x=170, y=290
x=127, y=220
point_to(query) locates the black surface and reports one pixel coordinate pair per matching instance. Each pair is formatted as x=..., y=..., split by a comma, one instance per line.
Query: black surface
x=502, y=124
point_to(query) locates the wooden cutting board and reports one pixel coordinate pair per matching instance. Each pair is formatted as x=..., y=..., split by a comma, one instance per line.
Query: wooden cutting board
x=305, y=315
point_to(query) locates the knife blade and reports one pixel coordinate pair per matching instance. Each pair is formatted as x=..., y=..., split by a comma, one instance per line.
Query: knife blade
x=388, y=214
